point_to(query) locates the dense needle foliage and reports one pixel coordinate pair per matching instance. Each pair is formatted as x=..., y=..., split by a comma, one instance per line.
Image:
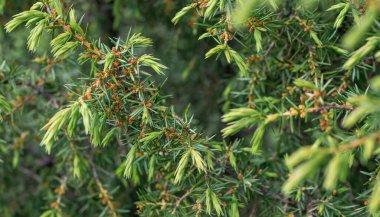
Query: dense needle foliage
x=267, y=108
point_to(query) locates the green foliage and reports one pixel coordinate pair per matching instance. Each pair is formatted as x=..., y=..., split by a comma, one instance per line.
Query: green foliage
x=5, y=107
x=300, y=133
x=31, y=18
x=54, y=125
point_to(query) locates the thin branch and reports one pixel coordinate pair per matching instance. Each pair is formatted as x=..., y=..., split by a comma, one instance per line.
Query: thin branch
x=359, y=142
x=104, y=192
x=18, y=106
x=319, y=109
x=188, y=192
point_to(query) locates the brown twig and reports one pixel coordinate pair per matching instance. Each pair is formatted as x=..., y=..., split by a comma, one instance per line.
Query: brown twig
x=18, y=106
x=188, y=192
x=60, y=191
x=104, y=193
x=319, y=109
x=358, y=142
x=269, y=49
x=328, y=107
